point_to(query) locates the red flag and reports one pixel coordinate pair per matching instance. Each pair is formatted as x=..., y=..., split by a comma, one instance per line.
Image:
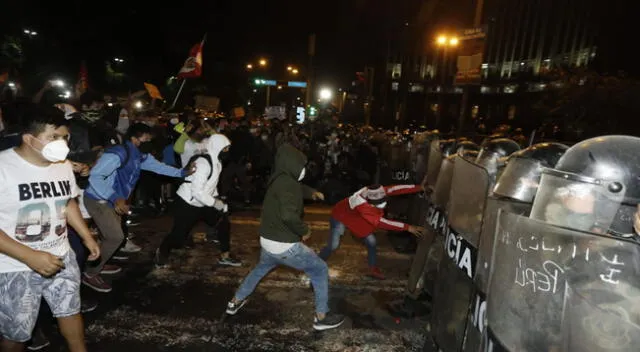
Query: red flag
x=193, y=65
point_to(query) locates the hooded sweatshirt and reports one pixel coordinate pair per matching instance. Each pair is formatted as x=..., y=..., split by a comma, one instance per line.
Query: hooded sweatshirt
x=283, y=206
x=362, y=218
x=200, y=190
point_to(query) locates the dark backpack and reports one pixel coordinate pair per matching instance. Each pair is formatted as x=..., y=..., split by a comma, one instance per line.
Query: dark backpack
x=207, y=157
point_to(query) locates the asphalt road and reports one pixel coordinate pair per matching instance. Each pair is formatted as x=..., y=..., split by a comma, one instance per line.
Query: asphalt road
x=181, y=308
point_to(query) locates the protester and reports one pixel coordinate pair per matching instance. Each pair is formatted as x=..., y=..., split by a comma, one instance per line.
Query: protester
x=111, y=182
x=282, y=233
x=39, y=191
x=362, y=214
x=198, y=199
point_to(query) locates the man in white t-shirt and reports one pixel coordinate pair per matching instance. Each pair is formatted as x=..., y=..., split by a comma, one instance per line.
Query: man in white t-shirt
x=38, y=201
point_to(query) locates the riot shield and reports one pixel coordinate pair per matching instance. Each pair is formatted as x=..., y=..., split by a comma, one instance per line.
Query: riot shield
x=558, y=289
x=477, y=314
x=424, y=267
x=434, y=163
x=454, y=286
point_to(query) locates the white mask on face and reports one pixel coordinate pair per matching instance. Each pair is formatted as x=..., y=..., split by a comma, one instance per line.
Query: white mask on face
x=381, y=205
x=302, y=174
x=55, y=151
x=174, y=121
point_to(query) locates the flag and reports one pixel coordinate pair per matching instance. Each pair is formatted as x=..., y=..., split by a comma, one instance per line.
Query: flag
x=83, y=81
x=193, y=65
x=153, y=91
x=4, y=77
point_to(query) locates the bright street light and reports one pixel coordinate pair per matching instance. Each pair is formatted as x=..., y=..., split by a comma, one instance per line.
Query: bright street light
x=138, y=104
x=249, y=66
x=263, y=62
x=325, y=94
x=289, y=68
x=279, y=87
x=443, y=40
x=30, y=32
x=294, y=71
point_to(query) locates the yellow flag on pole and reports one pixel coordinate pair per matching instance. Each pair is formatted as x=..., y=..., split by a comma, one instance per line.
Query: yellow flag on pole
x=153, y=91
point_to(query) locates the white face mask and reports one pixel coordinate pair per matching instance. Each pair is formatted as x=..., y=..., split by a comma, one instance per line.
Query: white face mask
x=381, y=205
x=55, y=151
x=174, y=121
x=302, y=174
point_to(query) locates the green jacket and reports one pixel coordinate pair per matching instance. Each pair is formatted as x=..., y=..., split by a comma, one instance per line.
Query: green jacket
x=283, y=206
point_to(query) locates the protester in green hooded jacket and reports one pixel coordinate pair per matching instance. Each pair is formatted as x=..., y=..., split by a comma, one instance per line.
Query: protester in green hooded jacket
x=282, y=233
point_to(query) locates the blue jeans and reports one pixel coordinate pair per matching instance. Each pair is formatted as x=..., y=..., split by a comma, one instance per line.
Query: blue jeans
x=337, y=230
x=299, y=257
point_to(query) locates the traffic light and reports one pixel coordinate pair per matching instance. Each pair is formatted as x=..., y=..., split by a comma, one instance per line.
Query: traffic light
x=313, y=111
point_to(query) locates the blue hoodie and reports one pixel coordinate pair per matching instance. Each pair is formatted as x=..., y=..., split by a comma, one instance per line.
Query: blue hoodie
x=108, y=181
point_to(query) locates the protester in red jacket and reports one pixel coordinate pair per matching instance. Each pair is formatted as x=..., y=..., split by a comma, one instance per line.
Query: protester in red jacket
x=363, y=213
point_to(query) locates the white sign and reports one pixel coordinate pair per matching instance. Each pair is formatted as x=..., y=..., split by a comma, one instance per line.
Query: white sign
x=275, y=112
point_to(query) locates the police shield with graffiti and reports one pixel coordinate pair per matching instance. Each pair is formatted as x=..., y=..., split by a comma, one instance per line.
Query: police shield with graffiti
x=514, y=192
x=567, y=278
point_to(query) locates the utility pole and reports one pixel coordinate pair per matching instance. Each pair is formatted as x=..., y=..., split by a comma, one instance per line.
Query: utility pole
x=311, y=51
x=466, y=90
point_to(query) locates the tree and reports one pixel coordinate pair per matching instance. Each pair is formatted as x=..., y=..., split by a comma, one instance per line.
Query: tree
x=586, y=104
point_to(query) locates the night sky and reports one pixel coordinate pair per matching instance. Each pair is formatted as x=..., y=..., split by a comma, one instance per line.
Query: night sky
x=154, y=37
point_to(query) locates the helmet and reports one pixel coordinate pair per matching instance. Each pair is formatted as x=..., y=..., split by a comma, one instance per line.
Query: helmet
x=596, y=178
x=448, y=147
x=521, y=176
x=466, y=145
x=491, y=153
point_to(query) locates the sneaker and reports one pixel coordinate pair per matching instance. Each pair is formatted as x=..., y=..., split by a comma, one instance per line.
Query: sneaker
x=160, y=260
x=230, y=262
x=233, y=308
x=130, y=247
x=120, y=256
x=330, y=321
x=375, y=273
x=110, y=269
x=96, y=283
x=88, y=305
x=38, y=341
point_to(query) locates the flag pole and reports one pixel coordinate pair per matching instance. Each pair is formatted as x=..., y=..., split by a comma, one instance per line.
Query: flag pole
x=175, y=100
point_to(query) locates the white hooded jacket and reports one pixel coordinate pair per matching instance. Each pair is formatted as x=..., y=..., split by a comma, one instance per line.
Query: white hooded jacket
x=200, y=191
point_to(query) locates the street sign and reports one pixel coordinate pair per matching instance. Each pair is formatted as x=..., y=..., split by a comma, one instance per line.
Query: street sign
x=266, y=82
x=295, y=84
x=473, y=33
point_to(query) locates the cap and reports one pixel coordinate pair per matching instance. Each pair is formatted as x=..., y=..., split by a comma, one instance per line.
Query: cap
x=375, y=194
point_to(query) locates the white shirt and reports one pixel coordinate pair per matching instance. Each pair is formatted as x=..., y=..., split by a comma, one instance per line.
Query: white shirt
x=33, y=206
x=192, y=148
x=274, y=247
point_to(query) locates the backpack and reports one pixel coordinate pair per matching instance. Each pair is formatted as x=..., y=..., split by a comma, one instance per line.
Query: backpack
x=207, y=157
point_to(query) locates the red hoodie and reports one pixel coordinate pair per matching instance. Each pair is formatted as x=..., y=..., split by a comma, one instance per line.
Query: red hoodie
x=363, y=218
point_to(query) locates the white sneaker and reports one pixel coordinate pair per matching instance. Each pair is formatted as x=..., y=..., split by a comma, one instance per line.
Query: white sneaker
x=233, y=308
x=130, y=247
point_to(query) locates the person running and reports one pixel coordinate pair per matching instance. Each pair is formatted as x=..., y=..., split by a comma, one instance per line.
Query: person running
x=282, y=233
x=363, y=213
x=198, y=199
x=38, y=204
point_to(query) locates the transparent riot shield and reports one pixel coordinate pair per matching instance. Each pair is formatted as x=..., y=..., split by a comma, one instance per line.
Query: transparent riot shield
x=477, y=313
x=434, y=163
x=424, y=267
x=454, y=285
x=558, y=289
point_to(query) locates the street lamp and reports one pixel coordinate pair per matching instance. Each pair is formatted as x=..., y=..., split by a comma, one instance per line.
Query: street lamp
x=263, y=62
x=294, y=71
x=453, y=41
x=30, y=32
x=442, y=40
x=289, y=68
x=325, y=94
x=249, y=66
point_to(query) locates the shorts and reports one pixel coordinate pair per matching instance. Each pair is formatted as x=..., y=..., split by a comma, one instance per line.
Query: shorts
x=21, y=293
